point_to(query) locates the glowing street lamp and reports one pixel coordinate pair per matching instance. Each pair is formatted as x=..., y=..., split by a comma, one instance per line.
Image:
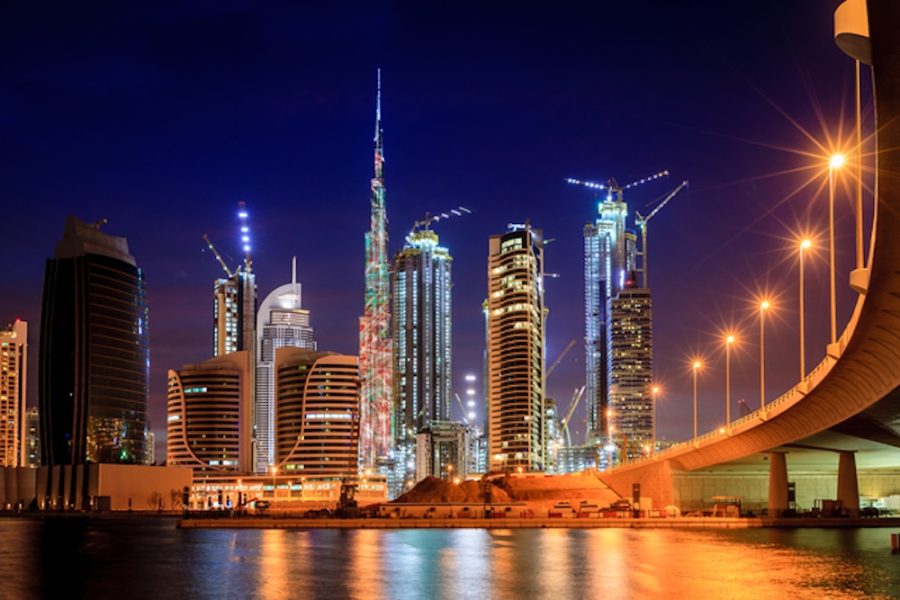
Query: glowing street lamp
x=729, y=341
x=805, y=244
x=836, y=162
x=763, y=307
x=696, y=368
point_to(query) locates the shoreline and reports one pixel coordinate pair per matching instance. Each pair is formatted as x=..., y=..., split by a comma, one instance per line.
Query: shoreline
x=539, y=523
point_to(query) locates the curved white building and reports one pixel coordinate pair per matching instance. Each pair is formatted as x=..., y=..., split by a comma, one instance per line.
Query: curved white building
x=317, y=413
x=280, y=323
x=209, y=415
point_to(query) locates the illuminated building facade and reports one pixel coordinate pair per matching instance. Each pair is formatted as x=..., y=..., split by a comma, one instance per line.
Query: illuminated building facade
x=32, y=438
x=13, y=372
x=375, y=334
x=234, y=312
x=516, y=316
x=281, y=323
x=422, y=330
x=94, y=353
x=317, y=413
x=209, y=415
x=609, y=253
x=442, y=450
x=631, y=371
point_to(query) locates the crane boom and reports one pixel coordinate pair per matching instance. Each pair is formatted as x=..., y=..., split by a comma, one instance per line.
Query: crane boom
x=461, y=407
x=459, y=211
x=218, y=256
x=613, y=186
x=559, y=358
x=642, y=221
x=576, y=398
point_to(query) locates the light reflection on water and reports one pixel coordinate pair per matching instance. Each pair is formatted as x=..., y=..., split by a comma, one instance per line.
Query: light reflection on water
x=137, y=558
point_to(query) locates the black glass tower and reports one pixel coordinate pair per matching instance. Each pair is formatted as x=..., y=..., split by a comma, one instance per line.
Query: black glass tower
x=94, y=354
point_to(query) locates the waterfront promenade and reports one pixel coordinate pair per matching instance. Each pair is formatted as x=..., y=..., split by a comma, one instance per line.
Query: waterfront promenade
x=535, y=523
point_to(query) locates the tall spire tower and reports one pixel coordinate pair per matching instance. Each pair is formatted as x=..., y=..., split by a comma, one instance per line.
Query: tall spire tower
x=375, y=344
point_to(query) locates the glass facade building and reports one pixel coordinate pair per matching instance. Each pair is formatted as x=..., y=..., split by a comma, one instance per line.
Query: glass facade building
x=609, y=253
x=281, y=323
x=94, y=353
x=422, y=322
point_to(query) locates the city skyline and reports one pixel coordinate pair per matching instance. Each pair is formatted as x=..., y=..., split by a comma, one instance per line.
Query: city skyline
x=179, y=274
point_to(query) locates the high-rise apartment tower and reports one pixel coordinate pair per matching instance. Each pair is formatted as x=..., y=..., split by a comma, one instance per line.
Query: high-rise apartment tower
x=516, y=317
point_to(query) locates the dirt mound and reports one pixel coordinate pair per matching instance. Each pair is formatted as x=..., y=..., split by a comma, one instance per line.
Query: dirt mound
x=432, y=489
x=577, y=487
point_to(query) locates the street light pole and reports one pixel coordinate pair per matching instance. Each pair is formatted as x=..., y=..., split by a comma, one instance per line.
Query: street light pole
x=836, y=162
x=804, y=245
x=728, y=342
x=697, y=365
x=763, y=307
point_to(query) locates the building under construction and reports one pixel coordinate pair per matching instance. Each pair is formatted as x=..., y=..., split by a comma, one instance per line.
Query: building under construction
x=375, y=335
x=618, y=325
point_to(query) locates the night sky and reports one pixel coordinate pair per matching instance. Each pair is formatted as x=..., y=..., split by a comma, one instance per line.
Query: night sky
x=161, y=117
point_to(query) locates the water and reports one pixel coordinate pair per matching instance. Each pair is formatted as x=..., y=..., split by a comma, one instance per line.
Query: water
x=133, y=558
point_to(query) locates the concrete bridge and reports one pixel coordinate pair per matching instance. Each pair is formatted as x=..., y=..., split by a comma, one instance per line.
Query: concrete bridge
x=837, y=432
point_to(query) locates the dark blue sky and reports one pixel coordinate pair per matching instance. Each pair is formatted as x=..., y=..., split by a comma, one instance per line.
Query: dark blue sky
x=162, y=117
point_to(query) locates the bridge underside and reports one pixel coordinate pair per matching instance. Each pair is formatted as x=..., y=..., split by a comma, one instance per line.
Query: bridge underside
x=836, y=435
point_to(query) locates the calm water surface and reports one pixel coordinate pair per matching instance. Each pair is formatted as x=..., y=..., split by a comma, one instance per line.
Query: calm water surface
x=149, y=558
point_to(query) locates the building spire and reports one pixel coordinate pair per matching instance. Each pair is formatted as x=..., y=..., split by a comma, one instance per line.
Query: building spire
x=379, y=134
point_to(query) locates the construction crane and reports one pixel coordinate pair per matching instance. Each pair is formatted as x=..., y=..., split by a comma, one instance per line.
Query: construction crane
x=462, y=408
x=559, y=358
x=642, y=221
x=576, y=398
x=613, y=187
x=425, y=223
x=218, y=256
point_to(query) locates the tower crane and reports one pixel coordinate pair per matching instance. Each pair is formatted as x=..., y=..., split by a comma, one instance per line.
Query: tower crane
x=425, y=223
x=218, y=256
x=642, y=221
x=576, y=398
x=613, y=187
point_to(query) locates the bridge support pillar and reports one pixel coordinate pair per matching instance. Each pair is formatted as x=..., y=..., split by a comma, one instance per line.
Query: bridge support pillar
x=848, y=484
x=778, y=483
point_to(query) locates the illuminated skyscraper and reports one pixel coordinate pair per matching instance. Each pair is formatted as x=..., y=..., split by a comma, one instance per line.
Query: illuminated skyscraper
x=281, y=323
x=375, y=343
x=631, y=370
x=13, y=371
x=94, y=353
x=422, y=342
x=317, y=413
x=609, y=252
x=209, y=416
x=516, y=349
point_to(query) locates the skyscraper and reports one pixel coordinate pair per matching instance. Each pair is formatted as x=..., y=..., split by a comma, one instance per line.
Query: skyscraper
x=317, y=413
x=609, y=252
x=13, y=372
x=209, y=416
x=422, y=335
x=631, y=370
x=280, y=323
x=516, y=349
x=375, y=344
x=94, y=353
